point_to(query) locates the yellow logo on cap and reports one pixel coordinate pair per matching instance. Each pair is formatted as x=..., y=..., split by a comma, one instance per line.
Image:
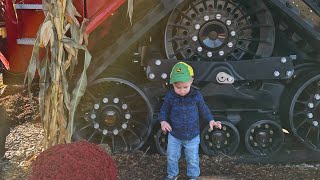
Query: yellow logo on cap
x=179, y=70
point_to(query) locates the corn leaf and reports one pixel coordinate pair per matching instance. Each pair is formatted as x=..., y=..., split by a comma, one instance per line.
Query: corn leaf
x=31, y=70
x=130, y=10
x=62, y=121
x=78, y=92
x=43, y=84
x=65, y=85
x=46, y=34
x=70, y=50
x=46, y=118
x=72, y=13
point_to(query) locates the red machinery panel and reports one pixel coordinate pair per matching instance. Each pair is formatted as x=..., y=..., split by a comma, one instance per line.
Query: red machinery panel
x=21, y=23
x=94, y=6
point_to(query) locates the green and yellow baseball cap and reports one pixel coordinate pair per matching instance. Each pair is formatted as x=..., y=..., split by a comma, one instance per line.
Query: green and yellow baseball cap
x=181, y=72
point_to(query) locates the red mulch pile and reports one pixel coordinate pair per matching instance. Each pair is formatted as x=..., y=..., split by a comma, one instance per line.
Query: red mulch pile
x=78, y=160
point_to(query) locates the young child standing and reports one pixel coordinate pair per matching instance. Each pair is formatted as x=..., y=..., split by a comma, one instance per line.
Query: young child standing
x=179, y=115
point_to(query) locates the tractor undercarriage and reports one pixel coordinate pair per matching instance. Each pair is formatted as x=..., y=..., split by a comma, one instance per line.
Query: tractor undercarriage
x=256, y=64
x=243, y=74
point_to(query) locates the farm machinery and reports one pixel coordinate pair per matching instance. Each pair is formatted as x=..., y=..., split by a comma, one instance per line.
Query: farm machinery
x=256, y=63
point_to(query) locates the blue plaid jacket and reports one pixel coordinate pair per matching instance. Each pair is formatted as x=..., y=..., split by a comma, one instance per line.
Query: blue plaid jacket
x=183, y=113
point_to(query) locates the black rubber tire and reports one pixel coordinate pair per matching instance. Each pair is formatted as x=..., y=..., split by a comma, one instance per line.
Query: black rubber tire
x=121, y=138
x=235, y=136
x=290, y=100
x=277, y=144
x=161, y=146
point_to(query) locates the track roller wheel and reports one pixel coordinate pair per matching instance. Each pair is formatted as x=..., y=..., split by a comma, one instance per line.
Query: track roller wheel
x=264, y=137
x=225, y=140
x=161, y=141
x=220, y=30
x=116, y=112
x=301, y=110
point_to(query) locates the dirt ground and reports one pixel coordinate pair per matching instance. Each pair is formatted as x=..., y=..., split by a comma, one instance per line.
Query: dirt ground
x=144, y=164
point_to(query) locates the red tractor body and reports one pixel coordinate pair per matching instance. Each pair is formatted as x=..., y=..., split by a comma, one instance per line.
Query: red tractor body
x=23, y=20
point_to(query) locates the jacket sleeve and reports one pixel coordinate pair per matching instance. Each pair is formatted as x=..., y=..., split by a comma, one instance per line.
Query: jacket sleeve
x=165, y=109
x=204, y=111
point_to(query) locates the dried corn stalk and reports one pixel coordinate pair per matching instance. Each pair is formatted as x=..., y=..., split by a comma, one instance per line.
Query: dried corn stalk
x=60, y=37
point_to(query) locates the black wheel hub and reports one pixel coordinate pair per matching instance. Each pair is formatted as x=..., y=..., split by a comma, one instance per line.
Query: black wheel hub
x=263, y=137
x=219, y=138
x=213, y=35
x=110, y=116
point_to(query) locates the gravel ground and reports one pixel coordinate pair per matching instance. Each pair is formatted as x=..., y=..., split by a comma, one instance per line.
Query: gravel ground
x=23, y=144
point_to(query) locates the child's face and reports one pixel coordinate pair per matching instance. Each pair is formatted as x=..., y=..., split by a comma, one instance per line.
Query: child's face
x=182, y=88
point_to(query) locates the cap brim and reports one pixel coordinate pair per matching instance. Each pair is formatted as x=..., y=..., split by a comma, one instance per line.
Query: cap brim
x=179, y=79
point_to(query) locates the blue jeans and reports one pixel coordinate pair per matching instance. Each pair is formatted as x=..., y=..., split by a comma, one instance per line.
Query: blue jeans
x=191, y=150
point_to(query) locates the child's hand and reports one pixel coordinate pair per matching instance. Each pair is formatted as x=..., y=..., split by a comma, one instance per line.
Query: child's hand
x=216, y=124
x=165, y=126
